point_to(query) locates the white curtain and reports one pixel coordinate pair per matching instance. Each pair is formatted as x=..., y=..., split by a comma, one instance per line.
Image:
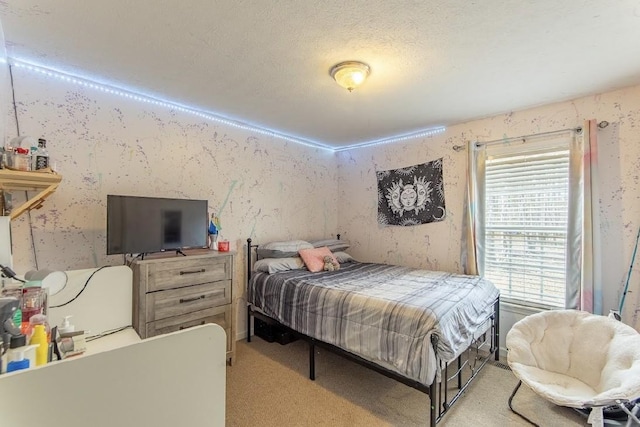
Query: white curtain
x=584, y=286
x=472, y=256
x=584, y=273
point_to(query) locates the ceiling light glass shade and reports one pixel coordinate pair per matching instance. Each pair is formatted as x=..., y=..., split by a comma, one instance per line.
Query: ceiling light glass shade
x=350, y=74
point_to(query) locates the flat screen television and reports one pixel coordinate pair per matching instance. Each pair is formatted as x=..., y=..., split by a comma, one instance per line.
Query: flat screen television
x=151, y=224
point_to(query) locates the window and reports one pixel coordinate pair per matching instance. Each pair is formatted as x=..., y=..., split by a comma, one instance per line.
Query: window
x=526, y=196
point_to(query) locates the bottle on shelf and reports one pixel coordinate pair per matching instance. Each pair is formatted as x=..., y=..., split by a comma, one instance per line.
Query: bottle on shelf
x=41, y=155
x=4, y=161
x=214, y=229
x=33, y=149
x=21, y=159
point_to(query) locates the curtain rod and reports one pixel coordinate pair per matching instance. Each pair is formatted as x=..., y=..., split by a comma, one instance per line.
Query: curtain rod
x=603, y=124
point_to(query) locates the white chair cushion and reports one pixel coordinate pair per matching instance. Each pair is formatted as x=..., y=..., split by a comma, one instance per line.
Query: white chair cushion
x=574, y=358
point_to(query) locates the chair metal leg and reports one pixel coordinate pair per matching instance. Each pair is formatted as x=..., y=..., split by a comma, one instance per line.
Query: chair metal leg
x=633, y=415
x=515, y=390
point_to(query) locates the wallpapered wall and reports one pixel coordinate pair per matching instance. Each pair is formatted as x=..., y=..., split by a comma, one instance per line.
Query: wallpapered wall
x=437, y=245
x=262, y=187
x=271, y=189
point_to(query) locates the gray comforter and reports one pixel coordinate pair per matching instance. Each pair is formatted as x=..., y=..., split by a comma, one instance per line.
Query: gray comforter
x=383, y=313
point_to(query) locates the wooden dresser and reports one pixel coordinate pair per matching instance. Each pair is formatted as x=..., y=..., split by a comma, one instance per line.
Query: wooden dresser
x=171, y=293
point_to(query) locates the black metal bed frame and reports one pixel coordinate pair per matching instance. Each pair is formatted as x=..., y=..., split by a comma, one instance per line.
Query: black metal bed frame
x=437, y=392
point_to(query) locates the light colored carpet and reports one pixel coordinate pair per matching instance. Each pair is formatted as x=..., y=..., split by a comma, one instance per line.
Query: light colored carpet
x=268, y=385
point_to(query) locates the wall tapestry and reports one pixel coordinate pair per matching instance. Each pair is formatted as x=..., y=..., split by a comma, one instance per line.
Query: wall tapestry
x=412, y=195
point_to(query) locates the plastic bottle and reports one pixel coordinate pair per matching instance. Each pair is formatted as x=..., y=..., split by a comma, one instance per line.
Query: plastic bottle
x=19, y=362
x=39, y=338
x=18, y=359
x=17, y=317
x=18, y=344
x=38, y=319
x=33, y=301
x=66, y=326
x=213, y=232
x=41, y=156
x=33, y=150
x=22, y=159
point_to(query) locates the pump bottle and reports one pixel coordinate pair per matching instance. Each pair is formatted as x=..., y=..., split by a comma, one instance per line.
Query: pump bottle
x=66, y=326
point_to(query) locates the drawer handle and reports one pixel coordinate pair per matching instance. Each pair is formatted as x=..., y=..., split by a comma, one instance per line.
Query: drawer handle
x=202, y=270
x=185, y=327
x=191, y=299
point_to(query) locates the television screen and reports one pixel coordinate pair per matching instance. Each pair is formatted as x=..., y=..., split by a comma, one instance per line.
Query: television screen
x=153, y=224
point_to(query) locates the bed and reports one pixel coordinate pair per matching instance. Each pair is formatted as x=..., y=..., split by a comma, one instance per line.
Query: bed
x=409, y=324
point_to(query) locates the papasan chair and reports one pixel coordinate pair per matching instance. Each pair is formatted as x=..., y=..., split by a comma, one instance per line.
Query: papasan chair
x=576, y=359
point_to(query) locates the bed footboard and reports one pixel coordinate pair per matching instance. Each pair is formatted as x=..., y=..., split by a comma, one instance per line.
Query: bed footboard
x=475, y=357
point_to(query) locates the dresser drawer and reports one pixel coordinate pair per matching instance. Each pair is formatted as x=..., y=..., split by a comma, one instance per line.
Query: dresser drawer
x=219, y=315
x=175, y=302
x=187, y=272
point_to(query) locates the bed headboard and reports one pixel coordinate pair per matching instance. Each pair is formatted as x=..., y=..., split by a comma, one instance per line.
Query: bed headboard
x=250, y=249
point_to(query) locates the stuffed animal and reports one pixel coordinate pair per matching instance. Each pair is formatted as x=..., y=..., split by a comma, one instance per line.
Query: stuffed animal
x=330, y=264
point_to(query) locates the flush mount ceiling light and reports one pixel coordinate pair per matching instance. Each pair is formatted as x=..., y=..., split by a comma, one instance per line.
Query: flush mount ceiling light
x=350, y=74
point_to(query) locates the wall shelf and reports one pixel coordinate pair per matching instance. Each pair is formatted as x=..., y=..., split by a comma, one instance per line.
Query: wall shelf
x=45, y=182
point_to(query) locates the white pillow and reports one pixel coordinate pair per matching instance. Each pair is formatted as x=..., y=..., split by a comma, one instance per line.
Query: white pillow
x=274, y=265
x=343, y=257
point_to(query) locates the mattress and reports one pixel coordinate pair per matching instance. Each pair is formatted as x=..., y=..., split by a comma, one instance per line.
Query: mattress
x=383, y=313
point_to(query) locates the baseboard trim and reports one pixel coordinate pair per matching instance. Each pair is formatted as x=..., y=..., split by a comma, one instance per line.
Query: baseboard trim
x=522, y=310
x=242, y=335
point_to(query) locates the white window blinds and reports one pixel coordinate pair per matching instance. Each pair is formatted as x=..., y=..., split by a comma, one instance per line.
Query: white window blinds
x=526, y=211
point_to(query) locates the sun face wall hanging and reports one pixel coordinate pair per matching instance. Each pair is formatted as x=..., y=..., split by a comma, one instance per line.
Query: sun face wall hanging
x=411, y=196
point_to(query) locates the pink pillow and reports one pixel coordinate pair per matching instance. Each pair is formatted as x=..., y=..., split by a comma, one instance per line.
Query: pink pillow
x=314, y=258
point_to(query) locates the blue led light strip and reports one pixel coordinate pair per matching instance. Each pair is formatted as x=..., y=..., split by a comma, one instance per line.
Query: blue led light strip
x=136, y=96
x=417, y=134
x=81, y=81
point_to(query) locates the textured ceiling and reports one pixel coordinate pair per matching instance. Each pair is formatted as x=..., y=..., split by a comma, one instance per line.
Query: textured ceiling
x=266, y=63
